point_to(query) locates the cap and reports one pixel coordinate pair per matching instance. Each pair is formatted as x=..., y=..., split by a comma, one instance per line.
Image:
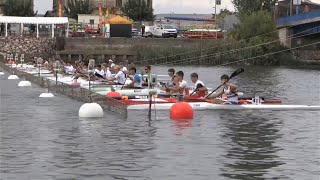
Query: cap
x=110, y=60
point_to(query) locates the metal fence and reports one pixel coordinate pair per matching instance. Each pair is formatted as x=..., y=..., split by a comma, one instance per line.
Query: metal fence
x=77, y=93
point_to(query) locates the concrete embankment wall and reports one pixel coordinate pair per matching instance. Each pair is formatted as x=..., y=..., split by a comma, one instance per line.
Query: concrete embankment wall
x=133, y=49
x=29, y=46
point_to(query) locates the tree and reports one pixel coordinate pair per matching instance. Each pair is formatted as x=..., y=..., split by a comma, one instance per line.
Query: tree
x=223, y=13
x=19, y=8
x=255, y=24
x=138, y=10
x=75, y=7
x=258, y=30
x=250, y=6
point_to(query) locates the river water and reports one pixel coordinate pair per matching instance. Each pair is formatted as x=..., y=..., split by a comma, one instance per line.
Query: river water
x=45, y=139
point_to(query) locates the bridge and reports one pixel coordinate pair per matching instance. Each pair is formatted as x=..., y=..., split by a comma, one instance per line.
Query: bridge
x=303, y=27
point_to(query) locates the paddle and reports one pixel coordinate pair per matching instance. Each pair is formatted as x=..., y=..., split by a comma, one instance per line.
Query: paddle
x=194, y=91
x=237, y=72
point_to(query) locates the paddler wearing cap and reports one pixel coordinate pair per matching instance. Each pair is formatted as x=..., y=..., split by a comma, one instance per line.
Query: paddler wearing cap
x=228, y=92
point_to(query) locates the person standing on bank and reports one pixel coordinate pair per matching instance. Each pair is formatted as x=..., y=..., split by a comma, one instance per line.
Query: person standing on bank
x=143, y=30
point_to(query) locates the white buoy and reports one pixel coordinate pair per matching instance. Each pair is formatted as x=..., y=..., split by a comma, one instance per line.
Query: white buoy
x=1, y=73
x=90, y=110
x=13, y=77
x=24, y=84
x=46, y=95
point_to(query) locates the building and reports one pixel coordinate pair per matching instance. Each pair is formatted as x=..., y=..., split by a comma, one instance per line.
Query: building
x=185, y=21
x=105, y=4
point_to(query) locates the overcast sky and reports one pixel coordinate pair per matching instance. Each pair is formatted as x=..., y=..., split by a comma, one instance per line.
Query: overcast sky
x=162, y=6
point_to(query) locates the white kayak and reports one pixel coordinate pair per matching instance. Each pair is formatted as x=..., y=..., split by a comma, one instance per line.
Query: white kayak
x=134, y=92
x=209, y=106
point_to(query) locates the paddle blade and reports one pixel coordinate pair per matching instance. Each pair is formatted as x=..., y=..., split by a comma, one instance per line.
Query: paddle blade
x=237, y=72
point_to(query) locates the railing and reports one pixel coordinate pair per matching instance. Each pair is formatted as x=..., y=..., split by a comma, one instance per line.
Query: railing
x=77, y=93
x=289, y=20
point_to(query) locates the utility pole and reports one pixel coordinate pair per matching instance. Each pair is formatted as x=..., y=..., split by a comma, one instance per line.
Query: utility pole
x=291, y=3
x=217, y=2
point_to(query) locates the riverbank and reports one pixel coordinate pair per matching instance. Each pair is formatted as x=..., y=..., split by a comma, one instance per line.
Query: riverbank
x=158, y=51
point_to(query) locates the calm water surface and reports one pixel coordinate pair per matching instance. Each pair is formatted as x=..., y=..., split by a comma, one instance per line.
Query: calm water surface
x=45, y=139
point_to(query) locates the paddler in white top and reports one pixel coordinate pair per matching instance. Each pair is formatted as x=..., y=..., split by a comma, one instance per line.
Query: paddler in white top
x=228, y=92
x=107, y=72
x=99, y=72
x=200, y=89
x=182, y=87
x=147, y=70
x=119, y=78
x=171, y=72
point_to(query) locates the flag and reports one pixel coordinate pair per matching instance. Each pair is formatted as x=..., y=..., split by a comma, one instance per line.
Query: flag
x=60, y=8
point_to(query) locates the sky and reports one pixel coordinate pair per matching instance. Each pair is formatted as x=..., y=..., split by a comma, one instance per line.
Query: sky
x=162, y=6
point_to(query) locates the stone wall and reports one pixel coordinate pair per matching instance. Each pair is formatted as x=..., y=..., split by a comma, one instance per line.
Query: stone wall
x=29, y=46
x=133, y=49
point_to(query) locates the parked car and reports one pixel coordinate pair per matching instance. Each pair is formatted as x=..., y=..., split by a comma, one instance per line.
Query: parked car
x=148, y=31
x=165, y=31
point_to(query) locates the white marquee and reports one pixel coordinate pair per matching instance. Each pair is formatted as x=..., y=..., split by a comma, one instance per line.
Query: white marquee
x=34, y=20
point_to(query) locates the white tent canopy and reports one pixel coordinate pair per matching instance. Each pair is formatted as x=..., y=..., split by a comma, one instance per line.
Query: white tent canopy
x=34, y=20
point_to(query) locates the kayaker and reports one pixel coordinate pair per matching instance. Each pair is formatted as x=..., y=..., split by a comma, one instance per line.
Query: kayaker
x=119, y=78
x=199, y=87
x=123, y=68
x=228, y=92
x=182, y=87
x=135, y=78
x=147, y=70
x=171, y=72
x=99, y=72
x=107, y=72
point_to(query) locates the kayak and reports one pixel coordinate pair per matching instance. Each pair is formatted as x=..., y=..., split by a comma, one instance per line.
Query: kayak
x=210, y=106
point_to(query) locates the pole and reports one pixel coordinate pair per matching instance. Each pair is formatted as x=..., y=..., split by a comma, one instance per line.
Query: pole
x=52, y=30
x=291, y=2
x=6, y=29
x=215, y=17
x=37, y=30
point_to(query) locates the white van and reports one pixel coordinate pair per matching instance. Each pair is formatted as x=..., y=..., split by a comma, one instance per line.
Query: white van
x=165, y=31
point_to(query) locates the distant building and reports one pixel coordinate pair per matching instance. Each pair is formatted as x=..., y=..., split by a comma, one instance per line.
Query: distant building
x=117, y=4
x=182, y=21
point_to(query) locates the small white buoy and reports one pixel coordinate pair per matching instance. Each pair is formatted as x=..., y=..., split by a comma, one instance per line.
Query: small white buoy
x=1, y=73
x=90, y=110
x=46, y=95
x=24, y=84
x=13, y=77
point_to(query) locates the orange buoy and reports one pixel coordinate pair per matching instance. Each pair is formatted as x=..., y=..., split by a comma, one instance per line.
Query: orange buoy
x=181, y=110
x=113, y=94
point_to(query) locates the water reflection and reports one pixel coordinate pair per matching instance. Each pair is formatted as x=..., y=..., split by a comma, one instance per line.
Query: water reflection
x=181, y=124
x=251, y=151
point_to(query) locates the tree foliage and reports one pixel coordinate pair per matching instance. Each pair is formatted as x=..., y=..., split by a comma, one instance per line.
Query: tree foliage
x=256, y=24
x=138, y=10
x=250, y=6
x=259, y=31
x=22, y=8
x=75, y=7
x=223, y=13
